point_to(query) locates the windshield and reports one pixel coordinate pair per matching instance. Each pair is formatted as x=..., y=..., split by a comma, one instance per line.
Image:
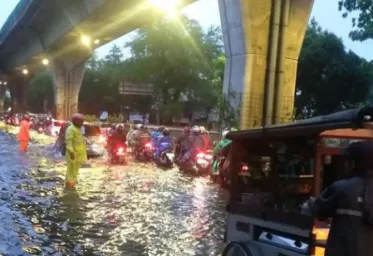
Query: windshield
x=91, y=130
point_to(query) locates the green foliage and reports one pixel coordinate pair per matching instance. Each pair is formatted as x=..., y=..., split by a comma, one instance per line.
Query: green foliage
x=182, y=61
x=363, y=23
x=40, y=91
x=329, y=78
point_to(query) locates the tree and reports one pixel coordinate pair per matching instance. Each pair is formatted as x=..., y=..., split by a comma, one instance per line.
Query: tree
x=177, y=57
x=364, y=22
x=40, y=92
x=329, y=78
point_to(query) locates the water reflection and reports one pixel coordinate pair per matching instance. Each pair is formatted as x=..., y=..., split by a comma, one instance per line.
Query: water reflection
x=132, y=210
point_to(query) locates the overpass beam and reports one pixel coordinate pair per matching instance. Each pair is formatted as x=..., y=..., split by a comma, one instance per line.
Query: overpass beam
x=67, y=73
x=18, y=86
x=262, y=42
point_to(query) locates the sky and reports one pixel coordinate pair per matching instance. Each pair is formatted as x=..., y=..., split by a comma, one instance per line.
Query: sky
x=207, y=13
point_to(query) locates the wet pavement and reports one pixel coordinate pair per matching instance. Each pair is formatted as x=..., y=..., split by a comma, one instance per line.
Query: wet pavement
x=136, y=209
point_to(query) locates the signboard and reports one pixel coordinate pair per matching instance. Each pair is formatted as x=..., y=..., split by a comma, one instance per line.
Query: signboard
x=131, y=88
x=338, y=143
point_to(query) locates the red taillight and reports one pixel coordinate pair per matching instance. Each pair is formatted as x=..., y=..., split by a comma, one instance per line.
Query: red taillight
x=121, y=150
x=244, y=168
x=148, y=145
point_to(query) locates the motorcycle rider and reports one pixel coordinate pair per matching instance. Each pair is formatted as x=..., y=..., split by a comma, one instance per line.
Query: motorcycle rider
x=196, y=145
x=132, y=134
x=183, y=143
x=142, y=136
x=117, y=137
x=163, y=143
x=156, y=134
x=221, y=149
x=206, y=138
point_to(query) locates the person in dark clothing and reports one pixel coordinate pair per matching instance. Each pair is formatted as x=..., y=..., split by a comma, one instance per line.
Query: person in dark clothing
x=349, y=202
x=183, y=142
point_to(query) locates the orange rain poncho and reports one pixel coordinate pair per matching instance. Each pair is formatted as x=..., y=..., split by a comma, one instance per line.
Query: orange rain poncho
x=24, y=135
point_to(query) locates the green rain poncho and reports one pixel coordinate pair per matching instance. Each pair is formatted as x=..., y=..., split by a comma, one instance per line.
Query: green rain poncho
x=75, y=144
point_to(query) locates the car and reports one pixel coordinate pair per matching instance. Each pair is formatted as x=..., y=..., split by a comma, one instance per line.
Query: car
x=95, y=140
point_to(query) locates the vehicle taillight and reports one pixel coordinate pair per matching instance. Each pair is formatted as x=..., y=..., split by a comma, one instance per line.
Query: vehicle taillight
x=244, y=168
x=121, y=150
x=148, y=145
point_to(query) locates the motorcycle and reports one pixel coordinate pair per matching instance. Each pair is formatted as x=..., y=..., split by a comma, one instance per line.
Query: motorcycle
x=166, y=157
x=118, y=154
x=200, y=163
x=144, y=151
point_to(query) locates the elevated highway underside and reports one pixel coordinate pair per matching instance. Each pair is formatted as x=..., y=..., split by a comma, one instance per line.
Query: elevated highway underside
x=262, y=43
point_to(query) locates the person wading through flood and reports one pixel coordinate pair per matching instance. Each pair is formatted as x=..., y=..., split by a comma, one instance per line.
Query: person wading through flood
x=24, y=134
x=349, y=202
x=76, y=153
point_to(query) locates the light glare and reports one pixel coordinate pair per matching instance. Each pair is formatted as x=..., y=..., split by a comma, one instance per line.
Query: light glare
x=97, y=41
x=170, y=6
x=25, y=71
x=86, y=40
x=45, y=62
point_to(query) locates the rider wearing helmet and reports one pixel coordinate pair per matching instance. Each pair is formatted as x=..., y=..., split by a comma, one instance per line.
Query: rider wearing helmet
x=142, y=136
x=221, y=150
x=156, y=134
x=206, y=138
x=76, y=153
x=197, y=143
x=164, y=143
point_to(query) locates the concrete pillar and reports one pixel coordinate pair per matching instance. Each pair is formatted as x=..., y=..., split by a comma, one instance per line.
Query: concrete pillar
x=3, y=89
x=18, y=86
x=67, y=73
x=246, y=26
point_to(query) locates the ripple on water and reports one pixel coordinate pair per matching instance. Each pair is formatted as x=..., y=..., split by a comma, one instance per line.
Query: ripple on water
x=132, y=210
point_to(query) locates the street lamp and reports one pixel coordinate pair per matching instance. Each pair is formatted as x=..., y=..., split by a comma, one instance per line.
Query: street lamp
x=45, y=62
x=85, y=40
x=25, y=71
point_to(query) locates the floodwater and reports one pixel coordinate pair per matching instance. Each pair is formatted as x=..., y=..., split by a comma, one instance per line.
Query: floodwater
x=137, y=209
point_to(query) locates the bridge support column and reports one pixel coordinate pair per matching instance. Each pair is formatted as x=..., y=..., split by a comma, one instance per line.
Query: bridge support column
x=3, y=89
x=18, y=86
x=262, y=42
x=68, y=72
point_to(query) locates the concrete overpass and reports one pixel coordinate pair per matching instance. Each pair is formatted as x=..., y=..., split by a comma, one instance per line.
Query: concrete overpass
x=262, y=43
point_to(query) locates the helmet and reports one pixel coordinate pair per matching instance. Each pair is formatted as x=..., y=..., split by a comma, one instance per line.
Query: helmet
x=202, y=129
x=26, y=117
x=120, y=127
x=77, y=119
x=196, y=129
x=186, y=129
x=224, y=134
x=166, y=132
x=138, y=126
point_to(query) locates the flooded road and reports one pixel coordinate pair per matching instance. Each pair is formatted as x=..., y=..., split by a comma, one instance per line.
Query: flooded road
x=137, y=209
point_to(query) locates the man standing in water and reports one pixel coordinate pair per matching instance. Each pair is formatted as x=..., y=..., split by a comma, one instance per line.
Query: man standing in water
x=24, y=134
x=76, y=153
